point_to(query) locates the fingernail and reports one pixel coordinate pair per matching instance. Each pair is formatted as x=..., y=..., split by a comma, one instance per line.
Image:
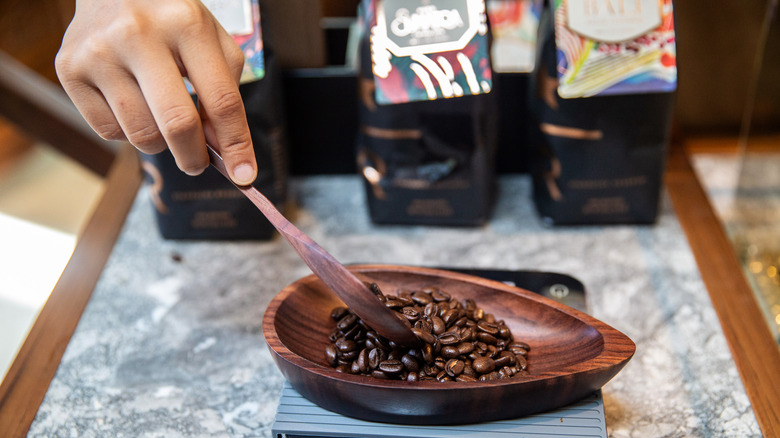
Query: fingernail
x=244, y=174
x=195, y=172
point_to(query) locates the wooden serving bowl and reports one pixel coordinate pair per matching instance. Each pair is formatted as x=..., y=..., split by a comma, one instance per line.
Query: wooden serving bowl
x=572, y=354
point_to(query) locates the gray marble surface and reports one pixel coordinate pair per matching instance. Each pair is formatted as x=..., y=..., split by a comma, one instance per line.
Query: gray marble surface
x=171, y=342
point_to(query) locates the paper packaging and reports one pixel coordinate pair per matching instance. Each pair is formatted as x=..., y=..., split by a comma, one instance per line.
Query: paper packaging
x=208, y=206
x=603, y=148
x=427, y=133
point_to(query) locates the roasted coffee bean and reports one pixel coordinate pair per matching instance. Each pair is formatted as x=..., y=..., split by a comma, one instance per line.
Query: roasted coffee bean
x=410, y=363
x=450, y=317
x=431, y=309
x=410, y=313
x=518, y=351
x=505, y=360
x=467, y=334
x=464, y=348
x=443, y=377
x=331, y=354
x=375, y=289
x=430, y=370
x=375, y=356
x=461, y=322
x=379, y=374
x=522, y=345
x=338, y=312
x=421, y=298
x=354, y=332
x=391, y=366
x=428, y=289
x=362, y=360
x=412, y=377
x=406, y=297
x=437, y=347
x=438, y=325
x=395, y=354
x=522, y=362
x=465, y=378
x=507, y=372
x=487, y=338
x=454, y=367
x=450, y=351
x=394, y=303
x=427, y=352
x=439, y=295
x=504, y=332
x=346, y=322
x=354, y=368
x=424, y=336
x=483, y=365
x=424, y=324
x=484, y=326
x=440, y=362
x=349, y=355
x=449, y=338
x=344, y=345
x=378, y=341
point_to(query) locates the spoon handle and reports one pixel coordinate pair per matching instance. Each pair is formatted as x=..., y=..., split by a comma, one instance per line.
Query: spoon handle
x=339, y=279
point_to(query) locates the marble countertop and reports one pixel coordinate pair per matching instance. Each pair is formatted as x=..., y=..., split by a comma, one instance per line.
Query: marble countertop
x=171, y=341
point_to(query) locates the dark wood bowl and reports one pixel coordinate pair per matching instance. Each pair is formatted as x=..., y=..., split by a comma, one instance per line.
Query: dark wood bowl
x=572, y=354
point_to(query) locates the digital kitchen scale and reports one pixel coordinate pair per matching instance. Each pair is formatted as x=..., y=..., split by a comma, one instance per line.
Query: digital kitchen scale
x=297, y=417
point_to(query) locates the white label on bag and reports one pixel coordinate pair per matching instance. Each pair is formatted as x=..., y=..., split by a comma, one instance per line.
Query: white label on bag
x=235, y=16
x=613, y=21
x=412, y=27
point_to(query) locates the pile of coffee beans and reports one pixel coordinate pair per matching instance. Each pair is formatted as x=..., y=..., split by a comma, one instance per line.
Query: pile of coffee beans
x=459, y=342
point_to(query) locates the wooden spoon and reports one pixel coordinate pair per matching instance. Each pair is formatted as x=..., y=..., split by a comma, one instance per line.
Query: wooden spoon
x=351, y=290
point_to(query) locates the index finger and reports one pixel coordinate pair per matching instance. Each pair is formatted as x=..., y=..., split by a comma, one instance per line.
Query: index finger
x=207, y=67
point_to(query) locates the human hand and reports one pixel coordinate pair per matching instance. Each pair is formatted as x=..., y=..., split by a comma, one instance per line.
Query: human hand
x=122, y=63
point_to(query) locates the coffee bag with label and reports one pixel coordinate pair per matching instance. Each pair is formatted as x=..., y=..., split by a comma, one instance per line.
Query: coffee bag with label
x=603, y=96
x=427, y=138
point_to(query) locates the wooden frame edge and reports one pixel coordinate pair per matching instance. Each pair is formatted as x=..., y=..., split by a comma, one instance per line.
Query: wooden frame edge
x=752, y=346
x=28, y=379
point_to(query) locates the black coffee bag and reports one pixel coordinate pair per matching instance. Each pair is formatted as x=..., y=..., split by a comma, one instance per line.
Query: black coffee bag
x=600, y=159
